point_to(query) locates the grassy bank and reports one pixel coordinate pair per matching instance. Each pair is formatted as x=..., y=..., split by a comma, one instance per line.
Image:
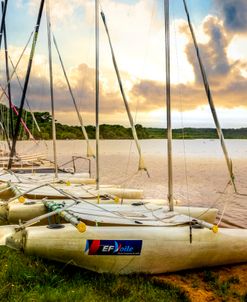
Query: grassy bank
x=25, y=278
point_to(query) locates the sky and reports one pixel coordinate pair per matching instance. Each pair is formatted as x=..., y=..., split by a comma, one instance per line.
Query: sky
x=137, y=32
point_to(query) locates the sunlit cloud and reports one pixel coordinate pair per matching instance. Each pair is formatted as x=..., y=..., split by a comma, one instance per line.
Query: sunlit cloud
x=137, y=32
x=61, y=10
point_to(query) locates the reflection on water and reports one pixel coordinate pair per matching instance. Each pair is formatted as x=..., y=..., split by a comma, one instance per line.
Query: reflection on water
x=200, y=173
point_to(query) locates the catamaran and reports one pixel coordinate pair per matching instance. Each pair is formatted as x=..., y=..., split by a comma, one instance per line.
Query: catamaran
x=135, y=238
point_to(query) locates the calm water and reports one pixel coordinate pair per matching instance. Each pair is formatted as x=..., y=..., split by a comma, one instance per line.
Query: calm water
x=200, y=173
x=191, y=148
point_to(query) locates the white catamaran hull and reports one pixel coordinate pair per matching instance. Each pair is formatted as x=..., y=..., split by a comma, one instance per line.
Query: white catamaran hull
x=78, y=191
x=124, y=250
x=29, y=178
x=16, y=211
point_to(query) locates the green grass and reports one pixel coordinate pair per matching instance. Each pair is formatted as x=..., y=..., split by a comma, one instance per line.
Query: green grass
x=25, y=278
x=223, y=288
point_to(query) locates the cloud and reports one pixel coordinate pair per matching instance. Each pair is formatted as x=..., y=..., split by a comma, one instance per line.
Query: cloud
x=228, y=85
x=234, y=14
x=140, y=57
x=213, y=53
x=61, y=10
x=151, y=96
x=83, y=86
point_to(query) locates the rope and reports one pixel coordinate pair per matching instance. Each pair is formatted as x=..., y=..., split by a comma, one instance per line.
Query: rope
x=124, y=183
x=240, y=194
x=88, y=202
x=44, y=216
x=213, y=204
x=117, y=214
x=129, y=179
x=28, y=191
x=172, y=214
x=223, y=212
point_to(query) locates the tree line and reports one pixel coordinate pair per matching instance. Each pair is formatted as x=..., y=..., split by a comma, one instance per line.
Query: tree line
x=44, y=121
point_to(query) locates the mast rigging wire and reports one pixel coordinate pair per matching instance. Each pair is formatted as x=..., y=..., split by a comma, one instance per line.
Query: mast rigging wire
x=27, y=102
x=210, y=100
x=15, y=68
x=29, y=68
x=17, y=114
x=142, y=165
x=89, y=149
x=7, y=75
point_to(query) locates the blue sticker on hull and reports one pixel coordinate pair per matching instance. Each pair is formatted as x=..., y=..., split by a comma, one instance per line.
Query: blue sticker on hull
x=113, y=247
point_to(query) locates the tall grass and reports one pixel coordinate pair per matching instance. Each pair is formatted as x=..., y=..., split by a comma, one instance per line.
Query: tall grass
x=25, y=278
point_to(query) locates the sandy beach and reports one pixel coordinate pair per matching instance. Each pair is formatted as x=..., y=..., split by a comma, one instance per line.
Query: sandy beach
x=199, y=171
x=200, y=178
x=196, y=182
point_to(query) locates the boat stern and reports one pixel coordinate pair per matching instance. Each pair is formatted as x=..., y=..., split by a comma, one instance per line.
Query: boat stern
x=6, y=232
x=16, y=240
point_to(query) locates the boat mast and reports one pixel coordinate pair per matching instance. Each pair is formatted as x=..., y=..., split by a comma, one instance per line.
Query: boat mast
x=1, y=34
x=51, y=88
x=17, y=126
x=168, y=106
x=142, y=165
x=7, y=76
x=210, y=100
x=83, y=129
x=97, y=89
x=3, y=21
